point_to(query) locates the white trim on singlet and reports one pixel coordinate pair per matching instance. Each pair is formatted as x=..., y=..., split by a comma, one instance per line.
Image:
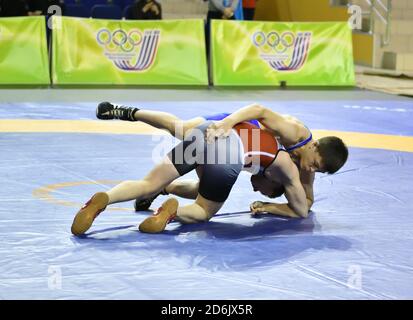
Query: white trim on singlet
x=256, y=153
x=280, y=146
x=259, y=153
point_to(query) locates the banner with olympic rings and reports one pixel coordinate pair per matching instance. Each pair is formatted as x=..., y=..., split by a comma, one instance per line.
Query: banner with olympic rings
x=252, y=53
x=20, y=38
x=106, y=52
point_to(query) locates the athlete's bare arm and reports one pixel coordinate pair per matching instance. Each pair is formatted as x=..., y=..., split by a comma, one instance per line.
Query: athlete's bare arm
x=307, y=181
x=297, y=206
x=288, y=129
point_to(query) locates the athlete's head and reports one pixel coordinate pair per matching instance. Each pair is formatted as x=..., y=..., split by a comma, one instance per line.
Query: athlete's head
x=266, y=187
x=327, y=155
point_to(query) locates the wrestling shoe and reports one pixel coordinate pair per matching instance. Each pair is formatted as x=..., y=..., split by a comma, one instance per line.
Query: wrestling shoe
x=144, y=204
x=165, y=214
x=108, y=111
x=88, y=213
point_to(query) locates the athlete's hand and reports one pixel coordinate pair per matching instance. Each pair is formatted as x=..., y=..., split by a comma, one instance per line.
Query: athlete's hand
x=217, y=130
x=257, y=207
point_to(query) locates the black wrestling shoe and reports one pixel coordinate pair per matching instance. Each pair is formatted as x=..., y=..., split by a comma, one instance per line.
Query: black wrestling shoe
x=144, y=204
x=108, y=111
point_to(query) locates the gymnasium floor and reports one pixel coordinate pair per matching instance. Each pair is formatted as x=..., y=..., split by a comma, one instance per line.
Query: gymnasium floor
x=357, y=243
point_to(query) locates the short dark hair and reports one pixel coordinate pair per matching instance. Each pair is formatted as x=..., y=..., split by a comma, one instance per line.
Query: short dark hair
x=334, y=153
x=277, y=192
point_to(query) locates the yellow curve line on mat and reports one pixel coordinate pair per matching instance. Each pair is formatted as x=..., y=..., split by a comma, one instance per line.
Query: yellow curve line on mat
x=45, y=193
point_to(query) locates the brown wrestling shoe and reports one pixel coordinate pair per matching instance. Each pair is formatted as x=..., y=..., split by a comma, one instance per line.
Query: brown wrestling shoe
x=162, y=216
x=88, y=213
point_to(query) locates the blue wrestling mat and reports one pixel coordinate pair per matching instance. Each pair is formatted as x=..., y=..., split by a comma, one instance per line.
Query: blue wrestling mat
x=356, y=244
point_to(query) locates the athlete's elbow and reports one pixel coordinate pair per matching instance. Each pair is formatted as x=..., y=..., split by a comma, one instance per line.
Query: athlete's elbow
x=258, y=109
x=302, y=212
x=310, y=203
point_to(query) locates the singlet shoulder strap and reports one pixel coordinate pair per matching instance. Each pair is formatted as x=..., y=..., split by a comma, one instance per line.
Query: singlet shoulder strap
x=300, y=144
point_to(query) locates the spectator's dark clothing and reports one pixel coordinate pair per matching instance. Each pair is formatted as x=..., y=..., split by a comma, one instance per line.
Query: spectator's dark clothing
x=43, y=5
x=138, y=14
x=212, y=15
x=248, y=13
x=13, y=8
x=215, y=12
x=248, y=8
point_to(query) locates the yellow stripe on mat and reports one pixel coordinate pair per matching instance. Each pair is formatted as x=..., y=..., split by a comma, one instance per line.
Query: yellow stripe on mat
x=352, y=139
x=78, y=126
x=370, y=140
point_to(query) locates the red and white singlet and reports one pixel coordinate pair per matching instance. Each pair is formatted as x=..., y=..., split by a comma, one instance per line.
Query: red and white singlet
x=260, y=147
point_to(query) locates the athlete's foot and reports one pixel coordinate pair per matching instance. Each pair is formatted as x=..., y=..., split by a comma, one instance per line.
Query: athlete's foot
x=88, y=213
x=165, y=214
x=109, y=111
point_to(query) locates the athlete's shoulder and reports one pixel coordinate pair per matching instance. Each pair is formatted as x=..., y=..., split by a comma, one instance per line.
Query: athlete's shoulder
x=283, y=167
x=292, y=119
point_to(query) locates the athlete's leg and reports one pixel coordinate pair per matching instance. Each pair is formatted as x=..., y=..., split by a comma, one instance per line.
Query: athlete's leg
x=158, y=119
x=200, y=211
x=187, y=189
x=216, y=182
x=166, y=121
x=159, y=177
x=173, y=166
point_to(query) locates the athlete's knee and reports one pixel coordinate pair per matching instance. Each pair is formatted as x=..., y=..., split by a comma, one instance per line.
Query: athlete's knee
x=208, y=213
x=194, y=214
x=171, y=188
x=204, y=217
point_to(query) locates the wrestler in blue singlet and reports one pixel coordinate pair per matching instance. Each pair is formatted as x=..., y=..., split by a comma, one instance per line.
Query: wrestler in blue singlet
x=221, y=116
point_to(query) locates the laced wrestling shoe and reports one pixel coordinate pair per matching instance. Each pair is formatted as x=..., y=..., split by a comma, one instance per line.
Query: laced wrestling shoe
x=108, y=111
x=165, y=214
x=88, y=213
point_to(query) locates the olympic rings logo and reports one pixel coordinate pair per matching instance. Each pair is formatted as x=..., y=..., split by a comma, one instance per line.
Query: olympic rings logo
x=119, y=38
x=119, y=46
x=273, y=47
x=273, y=41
